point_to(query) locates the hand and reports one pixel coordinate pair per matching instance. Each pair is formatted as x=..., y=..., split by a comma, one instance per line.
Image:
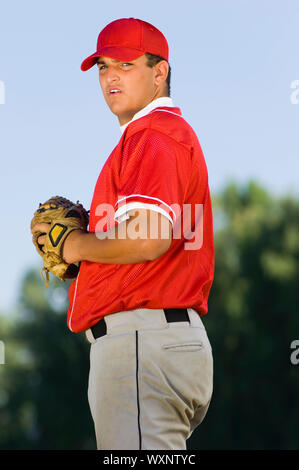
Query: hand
x=43, y=228
x=70, y=248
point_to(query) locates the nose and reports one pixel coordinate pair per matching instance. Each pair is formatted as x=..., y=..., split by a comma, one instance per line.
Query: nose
x=112, y=74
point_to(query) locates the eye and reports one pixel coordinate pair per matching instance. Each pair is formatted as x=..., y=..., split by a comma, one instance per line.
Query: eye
x=101, y=66
x=126, y=64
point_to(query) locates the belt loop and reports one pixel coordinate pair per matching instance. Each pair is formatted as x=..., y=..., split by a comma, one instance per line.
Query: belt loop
x=89, y=336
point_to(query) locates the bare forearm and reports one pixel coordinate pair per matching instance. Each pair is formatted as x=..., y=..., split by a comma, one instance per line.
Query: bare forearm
x=111, y=251
x=119, y=245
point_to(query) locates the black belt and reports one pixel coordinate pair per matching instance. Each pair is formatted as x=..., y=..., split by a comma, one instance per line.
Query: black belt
x=171, y=315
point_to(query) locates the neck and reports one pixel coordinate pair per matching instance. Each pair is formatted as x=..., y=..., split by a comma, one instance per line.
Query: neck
x=164, y=101
x=125, y=119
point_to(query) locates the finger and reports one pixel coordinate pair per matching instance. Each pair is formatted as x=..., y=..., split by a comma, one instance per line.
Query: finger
x=42, y=227
x=41, y=240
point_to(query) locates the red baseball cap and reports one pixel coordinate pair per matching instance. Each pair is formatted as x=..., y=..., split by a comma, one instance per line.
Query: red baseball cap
x=128, y=39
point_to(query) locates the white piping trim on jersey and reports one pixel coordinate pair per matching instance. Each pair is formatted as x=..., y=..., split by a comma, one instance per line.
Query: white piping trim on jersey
x=147, y=197
x=140, y=205
x=166, y=111
x=75, y=293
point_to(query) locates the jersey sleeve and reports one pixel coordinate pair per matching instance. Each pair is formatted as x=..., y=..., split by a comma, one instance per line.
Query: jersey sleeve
x=154, y=175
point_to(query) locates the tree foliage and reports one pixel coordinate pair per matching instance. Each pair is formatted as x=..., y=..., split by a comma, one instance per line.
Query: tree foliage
x=252, y=321
x=44, y=379
x=253, y=318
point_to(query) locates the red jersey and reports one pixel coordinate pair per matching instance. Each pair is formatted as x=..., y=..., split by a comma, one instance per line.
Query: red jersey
x=158, y=164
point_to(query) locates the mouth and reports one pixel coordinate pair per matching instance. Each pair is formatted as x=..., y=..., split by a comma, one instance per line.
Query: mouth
x=113, y=91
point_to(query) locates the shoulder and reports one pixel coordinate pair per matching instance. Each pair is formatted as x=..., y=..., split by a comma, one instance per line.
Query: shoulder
x=165, y=124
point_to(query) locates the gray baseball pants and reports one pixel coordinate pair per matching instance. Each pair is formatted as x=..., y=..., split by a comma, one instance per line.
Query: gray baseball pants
x=150, y=382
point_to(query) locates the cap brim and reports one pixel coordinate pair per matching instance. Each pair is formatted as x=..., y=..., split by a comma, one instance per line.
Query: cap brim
x=89, y=61
x=117, y=53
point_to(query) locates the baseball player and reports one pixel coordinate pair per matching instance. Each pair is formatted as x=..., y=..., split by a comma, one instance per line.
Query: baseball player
x=146, y=263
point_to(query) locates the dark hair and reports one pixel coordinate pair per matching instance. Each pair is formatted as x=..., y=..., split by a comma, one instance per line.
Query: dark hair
x=152, y=60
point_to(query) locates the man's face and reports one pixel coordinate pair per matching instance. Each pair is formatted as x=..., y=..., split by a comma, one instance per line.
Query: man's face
x=129, y=86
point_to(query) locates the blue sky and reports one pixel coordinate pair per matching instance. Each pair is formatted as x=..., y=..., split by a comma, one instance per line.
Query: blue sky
x=233, y=63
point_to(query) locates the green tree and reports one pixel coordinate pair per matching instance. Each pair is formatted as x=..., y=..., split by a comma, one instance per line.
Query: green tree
x=44, y=381
x=252, y=320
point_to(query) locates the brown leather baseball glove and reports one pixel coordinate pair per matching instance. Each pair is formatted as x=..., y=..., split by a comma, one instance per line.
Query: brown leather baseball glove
x=63, y=216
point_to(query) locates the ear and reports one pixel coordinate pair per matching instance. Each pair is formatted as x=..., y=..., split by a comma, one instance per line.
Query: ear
x=161, y=72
